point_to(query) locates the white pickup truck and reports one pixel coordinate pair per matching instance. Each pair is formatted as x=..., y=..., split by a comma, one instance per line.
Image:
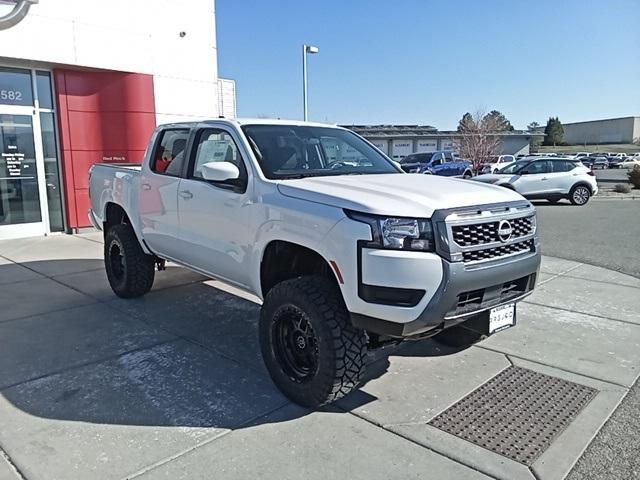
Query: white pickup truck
x=347, y=251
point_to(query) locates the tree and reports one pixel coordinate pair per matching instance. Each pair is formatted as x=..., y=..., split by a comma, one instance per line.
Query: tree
x=479, y=138
x=500, y=121
x=554, y=132
x=534, y=142
x=465, y=120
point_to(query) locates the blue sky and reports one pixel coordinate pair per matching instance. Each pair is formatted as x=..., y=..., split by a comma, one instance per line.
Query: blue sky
x=428, y=62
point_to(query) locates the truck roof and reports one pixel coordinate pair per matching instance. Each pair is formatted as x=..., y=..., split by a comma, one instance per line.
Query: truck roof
x=251, y=121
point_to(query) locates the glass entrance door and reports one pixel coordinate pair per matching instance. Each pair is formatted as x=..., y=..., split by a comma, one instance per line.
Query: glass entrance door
x=19, y=187
x=30, y=196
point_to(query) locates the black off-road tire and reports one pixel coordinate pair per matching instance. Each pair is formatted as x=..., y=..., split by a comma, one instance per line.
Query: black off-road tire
x=579, y=195
x=130, y=271
x=467, y=175
x=338, y=348
x=458, y=337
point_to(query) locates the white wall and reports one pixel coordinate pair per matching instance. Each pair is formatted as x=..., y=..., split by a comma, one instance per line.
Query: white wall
x=423, y=146
x=141, y=36
x=612, y=130
x=382, y=145
x=401, y=148
x=446, y=144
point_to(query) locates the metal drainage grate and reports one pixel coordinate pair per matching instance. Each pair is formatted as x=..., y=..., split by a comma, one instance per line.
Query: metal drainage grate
x=517, y=414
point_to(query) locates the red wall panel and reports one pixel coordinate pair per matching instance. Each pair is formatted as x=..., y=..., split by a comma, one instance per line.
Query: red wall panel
x=103, y=116
x=109, y=130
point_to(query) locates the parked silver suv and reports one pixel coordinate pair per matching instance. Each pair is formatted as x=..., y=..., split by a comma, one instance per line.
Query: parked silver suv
x=550, y=178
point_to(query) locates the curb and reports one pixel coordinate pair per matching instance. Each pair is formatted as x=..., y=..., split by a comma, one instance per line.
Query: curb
x=611, y=197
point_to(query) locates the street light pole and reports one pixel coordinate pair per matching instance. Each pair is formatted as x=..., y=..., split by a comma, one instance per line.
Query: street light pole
x=306, y=49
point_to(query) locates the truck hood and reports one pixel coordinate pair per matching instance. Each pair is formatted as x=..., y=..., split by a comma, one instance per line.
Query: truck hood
x=407, y=195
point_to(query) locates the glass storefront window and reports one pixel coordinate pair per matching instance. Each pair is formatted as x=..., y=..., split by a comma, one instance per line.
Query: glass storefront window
x=52, y=171
x=15, y=87
x=43, y=84
x=19, y=196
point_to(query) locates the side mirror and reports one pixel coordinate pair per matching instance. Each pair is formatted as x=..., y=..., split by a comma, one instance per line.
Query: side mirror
x=220, y=171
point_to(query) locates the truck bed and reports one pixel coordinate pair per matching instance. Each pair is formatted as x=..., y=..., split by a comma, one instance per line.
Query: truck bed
x=113, y=183
x=129, y=166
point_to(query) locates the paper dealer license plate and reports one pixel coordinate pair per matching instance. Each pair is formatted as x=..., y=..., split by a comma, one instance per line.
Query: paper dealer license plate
x=502, y=317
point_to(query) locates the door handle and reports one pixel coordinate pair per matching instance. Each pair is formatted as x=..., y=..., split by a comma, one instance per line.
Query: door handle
x=186, y=194
x=544, y=178
x=146, y=186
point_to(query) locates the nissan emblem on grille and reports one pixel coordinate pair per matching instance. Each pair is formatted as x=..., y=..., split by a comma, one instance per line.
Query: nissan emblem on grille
x=504, y=230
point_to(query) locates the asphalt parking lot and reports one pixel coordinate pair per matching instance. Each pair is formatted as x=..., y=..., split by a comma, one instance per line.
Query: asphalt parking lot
x=603, y=232
x=610, y=236
x=172, y=385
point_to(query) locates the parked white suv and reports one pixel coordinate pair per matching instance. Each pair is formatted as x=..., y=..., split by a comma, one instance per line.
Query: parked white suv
x=347, y=251
x=550, y=178
x=498, y=163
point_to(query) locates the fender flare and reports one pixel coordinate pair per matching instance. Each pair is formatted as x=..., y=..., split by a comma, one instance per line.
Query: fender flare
x=581, y=183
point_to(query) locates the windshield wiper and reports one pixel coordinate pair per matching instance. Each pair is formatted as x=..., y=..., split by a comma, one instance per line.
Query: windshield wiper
x=291, y=176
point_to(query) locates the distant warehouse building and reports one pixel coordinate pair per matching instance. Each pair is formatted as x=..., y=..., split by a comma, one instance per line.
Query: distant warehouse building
x=398, y=141
x=610, y=130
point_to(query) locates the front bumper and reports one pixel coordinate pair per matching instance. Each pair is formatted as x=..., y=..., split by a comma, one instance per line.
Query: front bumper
x=471, y=271
x=464, y=293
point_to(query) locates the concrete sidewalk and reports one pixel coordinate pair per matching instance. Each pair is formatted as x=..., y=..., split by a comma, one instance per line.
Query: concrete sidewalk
x=172, y=385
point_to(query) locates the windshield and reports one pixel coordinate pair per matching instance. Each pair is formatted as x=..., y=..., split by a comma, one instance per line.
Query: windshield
x=417, y=158
x=290, y=151
x=514, y=167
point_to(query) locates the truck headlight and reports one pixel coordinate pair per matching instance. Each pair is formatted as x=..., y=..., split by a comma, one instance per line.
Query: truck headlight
x=397, y=233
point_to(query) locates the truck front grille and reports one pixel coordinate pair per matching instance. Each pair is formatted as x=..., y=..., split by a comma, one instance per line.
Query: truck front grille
x=497, y=252
x=483, y=233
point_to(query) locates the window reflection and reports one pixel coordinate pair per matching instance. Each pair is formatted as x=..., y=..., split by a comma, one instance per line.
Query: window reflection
x=52, y=172
x=43, y=84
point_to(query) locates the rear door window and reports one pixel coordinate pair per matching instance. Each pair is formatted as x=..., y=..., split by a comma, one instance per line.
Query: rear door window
x=168, y=157
x=563, y=166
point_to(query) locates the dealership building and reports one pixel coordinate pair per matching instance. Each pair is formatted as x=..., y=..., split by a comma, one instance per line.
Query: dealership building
x=398, y=141
x=86, y=81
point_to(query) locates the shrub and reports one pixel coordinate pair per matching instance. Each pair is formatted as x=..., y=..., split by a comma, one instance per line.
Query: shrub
x=634, y=176
x=622, y=188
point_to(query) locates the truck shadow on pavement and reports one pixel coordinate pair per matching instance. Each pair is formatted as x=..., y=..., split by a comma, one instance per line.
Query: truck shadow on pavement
x=184, y=355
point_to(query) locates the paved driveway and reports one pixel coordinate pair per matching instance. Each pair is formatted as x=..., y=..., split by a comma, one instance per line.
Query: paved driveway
x=172, y=386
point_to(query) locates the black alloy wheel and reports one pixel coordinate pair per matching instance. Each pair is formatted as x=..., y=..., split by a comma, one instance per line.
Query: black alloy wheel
x=295, y=343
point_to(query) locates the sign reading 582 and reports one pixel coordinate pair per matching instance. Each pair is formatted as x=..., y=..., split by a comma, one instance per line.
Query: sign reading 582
x=15, y=86
x=13, y=95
